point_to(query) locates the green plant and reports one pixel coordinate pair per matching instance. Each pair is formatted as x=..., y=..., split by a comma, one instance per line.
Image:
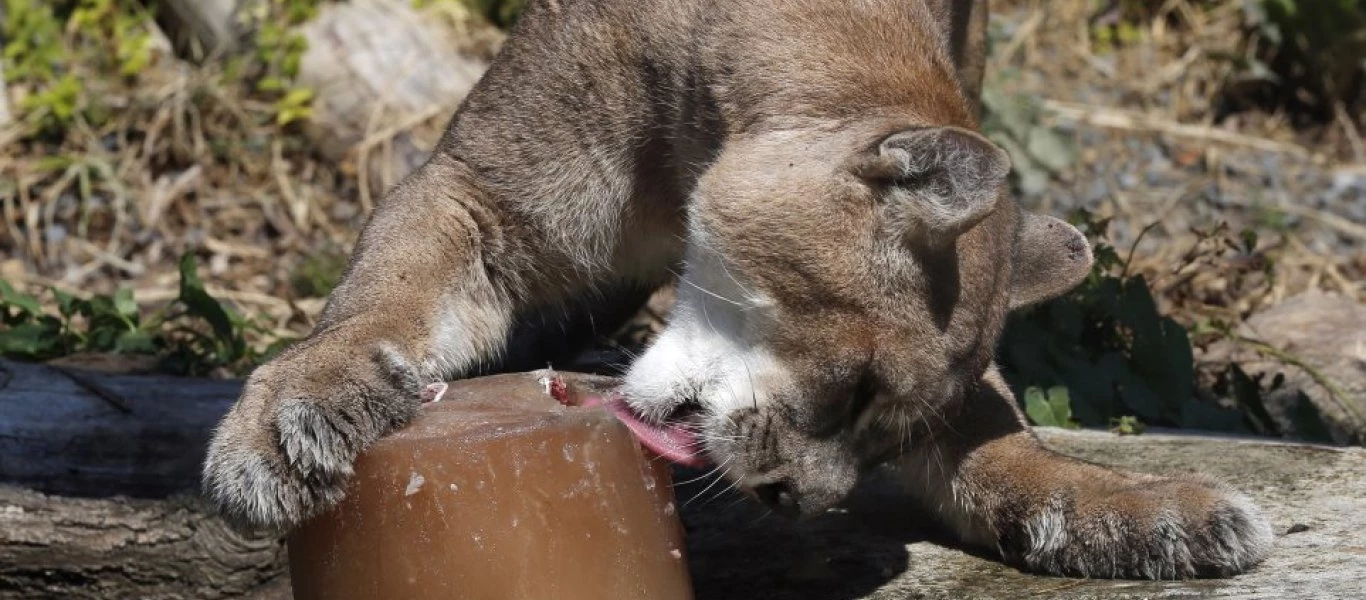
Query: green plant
x=1106, y=343
x=277, y=54
x=1037, y=151
x=32, y=41
x=112, y=324
x=1121, y=364
x=195, y=334
x=1052, y=408
x=107, y=35
x=124, y=26
x=1116, y=23
x=1127, y=425
x=1250, y=392
x=295, y=105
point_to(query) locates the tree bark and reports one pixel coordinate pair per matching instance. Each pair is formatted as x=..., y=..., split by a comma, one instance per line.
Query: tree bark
x=100, y=485
x=65, y=547
x=77, y=432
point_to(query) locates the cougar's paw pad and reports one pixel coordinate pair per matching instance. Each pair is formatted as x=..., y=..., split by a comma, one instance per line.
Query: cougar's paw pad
x=1162, y=529
x=317, y=442
x=255, y=488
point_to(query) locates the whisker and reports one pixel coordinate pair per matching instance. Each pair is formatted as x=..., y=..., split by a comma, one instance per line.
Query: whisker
x=709, y=473
x=709, y=292
x=709, y=486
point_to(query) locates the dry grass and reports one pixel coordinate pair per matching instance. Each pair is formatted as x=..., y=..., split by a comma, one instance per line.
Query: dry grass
x=1166, y=85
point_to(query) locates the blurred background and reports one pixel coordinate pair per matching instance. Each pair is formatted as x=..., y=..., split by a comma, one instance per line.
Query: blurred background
x=181, y=182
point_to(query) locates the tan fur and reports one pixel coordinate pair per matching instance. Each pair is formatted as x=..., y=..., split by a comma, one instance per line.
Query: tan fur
x=848, y=256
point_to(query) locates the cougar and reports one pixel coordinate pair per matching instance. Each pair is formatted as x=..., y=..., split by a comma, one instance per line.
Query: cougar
x=812, y=175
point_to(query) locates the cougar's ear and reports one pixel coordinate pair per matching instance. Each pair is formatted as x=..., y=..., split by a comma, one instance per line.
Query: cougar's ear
x=934, y=182
x=1051, y=257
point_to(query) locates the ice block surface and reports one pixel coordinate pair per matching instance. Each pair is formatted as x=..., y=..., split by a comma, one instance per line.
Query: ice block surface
x=499, y=492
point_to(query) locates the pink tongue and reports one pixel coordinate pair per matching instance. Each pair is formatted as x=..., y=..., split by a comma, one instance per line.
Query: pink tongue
x=671, y=442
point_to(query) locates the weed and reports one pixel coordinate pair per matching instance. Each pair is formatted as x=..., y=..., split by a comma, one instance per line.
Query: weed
x=1037, y=151
x=1114, y=360
x=1115, y=23
x=277, y=52
x=1108, y=345
x=112, y=36
x=48, y=46
x=1250, y=392
x=194, y=335
x=1127, y=425
x=1051, y=408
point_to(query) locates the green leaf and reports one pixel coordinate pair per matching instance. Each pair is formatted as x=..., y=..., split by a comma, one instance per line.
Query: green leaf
x=1127, y=425
x=270, y=84
x=24, y=302
x=136, y=342
x=1051, y=410
x=32, y=341
x=1027, y=354
x=1139, y=396
x=1012, y=113
x=1051, y=150
x=1066, y=317
x=1092, y=386
x=1176, y=383
x=201, y=304
x=124, y=304
x=67, y=304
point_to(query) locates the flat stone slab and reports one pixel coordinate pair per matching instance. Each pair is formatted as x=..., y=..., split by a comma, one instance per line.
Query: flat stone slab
x=876, y=548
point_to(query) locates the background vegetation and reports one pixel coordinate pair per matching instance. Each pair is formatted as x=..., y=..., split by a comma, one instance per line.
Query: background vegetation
x=125, y=171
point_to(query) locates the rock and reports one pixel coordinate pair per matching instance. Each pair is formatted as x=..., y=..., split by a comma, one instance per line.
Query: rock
x=200, y=28
x=380, y=68
x=1328, y=334
x=876, y=548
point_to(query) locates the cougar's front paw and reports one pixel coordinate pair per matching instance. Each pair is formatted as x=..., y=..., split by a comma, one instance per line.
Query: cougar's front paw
x=1148, y=528
x=284, y=452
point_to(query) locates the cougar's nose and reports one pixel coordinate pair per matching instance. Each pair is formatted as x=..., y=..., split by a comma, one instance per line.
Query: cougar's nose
x=780, y=497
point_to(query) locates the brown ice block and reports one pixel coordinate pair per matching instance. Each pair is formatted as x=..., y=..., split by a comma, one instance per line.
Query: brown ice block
x=499, y=492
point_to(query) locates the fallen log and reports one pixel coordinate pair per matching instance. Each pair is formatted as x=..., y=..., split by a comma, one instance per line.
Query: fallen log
x=68, y=547
x=99, y=478
x=72, y=431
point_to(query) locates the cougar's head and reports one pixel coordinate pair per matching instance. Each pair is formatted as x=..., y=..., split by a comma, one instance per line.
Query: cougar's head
x=839, y=288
